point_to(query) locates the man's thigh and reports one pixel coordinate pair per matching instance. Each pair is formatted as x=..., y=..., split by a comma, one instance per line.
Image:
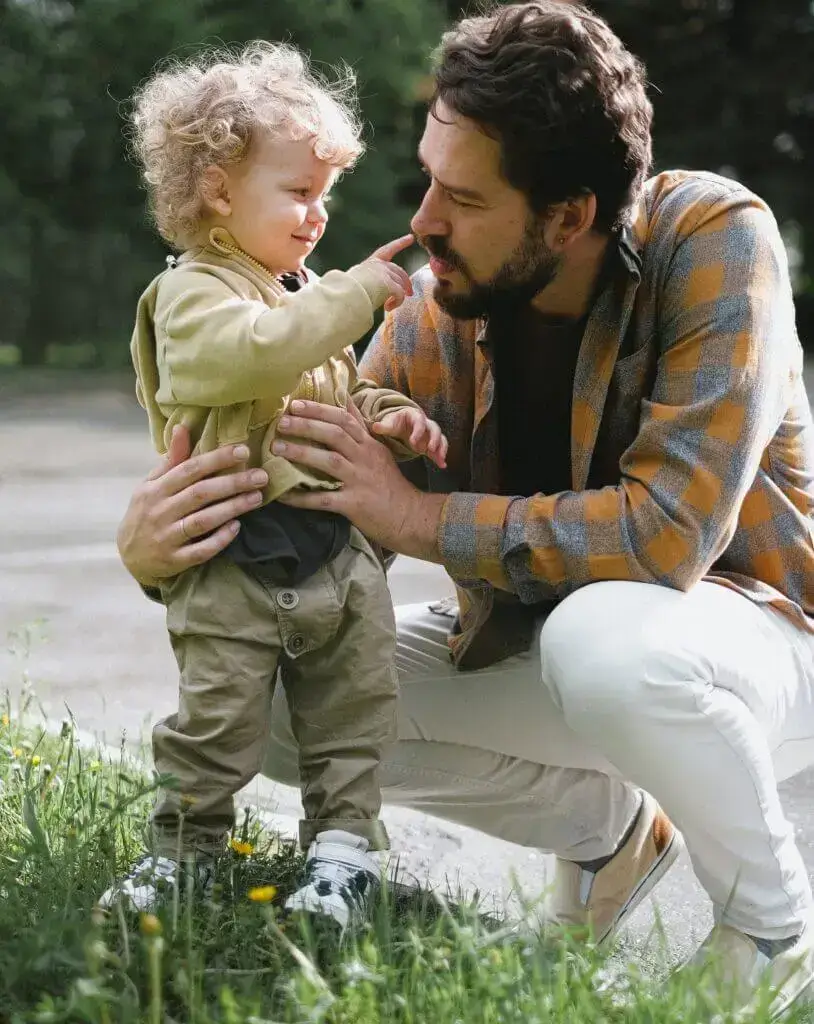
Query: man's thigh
x=604, y=646
x=505, y=708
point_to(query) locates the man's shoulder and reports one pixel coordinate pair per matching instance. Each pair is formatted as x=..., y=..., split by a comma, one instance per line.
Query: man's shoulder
x=675, y=202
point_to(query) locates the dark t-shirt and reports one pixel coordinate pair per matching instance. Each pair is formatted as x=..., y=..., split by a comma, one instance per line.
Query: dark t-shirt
x=535, y=360
x=284, y=545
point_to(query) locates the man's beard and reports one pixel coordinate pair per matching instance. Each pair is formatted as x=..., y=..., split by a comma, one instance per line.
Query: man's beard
x=530, y=268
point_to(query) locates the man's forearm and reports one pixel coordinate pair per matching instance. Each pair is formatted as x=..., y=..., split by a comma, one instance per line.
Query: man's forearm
x=418, y=536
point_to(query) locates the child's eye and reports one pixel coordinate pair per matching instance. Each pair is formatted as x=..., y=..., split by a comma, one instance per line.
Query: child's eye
x=304, y=192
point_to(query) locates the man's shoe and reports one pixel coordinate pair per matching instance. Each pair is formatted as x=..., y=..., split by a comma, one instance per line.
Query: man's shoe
x=597, y=904
x=341, y=877
x=152, y=881
x=746, y=978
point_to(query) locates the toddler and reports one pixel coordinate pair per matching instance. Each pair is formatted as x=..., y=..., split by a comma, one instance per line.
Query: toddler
x=239, y=154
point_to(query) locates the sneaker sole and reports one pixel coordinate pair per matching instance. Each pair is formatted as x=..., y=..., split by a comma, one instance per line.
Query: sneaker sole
x=660, y=867
x=336, y=914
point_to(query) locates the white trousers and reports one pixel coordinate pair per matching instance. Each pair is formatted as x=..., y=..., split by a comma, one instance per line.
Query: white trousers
x=703, y=699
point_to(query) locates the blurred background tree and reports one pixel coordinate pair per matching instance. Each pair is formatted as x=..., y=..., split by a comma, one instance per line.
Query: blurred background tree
x=733, y=89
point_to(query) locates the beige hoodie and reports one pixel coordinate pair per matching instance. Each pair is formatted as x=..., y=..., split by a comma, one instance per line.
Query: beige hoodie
x=222, y=348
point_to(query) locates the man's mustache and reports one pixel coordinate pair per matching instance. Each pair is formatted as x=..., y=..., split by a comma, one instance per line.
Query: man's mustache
x=437, y=246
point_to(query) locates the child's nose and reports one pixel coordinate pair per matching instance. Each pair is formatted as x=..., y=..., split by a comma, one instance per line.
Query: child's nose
x=317, y=214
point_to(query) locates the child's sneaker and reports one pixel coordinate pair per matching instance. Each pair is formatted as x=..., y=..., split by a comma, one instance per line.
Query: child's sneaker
x=341, y=876
x=152, y=880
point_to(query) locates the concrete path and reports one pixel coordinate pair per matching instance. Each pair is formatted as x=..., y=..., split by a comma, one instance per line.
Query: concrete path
x=68, y=462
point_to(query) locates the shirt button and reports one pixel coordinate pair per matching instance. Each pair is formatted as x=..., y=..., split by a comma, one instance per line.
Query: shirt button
x=296, y=643
x=288, y=599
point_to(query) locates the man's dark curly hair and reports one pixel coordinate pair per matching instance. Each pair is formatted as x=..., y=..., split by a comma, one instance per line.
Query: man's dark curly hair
x=567, y=102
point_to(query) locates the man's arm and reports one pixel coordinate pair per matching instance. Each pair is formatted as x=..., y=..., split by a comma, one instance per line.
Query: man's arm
x=726, y=316
x=726, y=320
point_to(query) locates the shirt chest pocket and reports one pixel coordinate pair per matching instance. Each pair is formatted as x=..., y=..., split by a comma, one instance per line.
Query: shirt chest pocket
x=632, y=380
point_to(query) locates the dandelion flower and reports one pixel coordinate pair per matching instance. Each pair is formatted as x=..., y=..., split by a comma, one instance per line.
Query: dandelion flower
x=150, y=925
x=17, y=752
x=262, y=893
x=35, y=760
x=241, y=848
x=5, y=721
x=95, y=766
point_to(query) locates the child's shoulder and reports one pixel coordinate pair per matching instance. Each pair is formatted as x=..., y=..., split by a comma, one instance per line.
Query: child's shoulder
x=200, y=278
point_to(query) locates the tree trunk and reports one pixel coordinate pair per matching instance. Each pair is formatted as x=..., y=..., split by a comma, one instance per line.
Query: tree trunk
x=39, y=323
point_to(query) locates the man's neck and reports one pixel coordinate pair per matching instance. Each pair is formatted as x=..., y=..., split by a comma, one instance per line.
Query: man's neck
x=571, y=294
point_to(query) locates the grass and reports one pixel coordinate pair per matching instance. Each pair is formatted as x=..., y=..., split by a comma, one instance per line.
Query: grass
x=72, y=819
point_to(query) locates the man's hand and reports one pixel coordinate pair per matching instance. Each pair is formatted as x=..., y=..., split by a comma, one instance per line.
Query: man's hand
x=374, y=495
x=183, y=514
x=415, y=429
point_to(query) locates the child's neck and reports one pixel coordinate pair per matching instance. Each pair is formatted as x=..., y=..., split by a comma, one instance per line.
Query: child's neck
x=229, y=242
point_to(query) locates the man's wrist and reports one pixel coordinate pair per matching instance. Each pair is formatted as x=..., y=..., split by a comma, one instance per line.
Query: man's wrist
x=418, y=537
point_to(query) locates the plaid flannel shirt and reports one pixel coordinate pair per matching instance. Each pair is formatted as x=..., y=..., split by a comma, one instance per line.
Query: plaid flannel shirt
x=692, y=443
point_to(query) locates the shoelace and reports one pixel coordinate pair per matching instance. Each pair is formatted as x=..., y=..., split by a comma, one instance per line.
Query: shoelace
x=351, y=879
x=153, y=869
x=162, y=869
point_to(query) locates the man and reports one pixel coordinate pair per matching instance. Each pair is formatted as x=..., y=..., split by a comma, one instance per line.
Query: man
x=625, y=510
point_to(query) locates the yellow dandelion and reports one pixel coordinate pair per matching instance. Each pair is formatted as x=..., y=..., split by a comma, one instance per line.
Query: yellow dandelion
x=5, y=720
x=35, y=760
x=149, y=925
x=241, y=848
x=95, y=766
x=262, y=893
x=17, y=752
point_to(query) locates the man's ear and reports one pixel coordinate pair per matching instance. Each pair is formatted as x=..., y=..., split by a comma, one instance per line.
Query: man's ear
x=214, y=188
x=570, y=221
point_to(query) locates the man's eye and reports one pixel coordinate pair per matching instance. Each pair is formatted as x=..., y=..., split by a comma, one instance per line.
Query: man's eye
x=456, y=200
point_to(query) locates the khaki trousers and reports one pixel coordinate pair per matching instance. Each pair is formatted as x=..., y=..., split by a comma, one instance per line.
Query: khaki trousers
x=333, y=639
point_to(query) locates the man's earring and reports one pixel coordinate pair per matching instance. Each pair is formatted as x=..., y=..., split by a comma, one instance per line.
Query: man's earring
x=560, y=239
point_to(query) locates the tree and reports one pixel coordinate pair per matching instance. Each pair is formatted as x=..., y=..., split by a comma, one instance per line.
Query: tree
x=80, y=248
x=80, y=225
x=387, y=43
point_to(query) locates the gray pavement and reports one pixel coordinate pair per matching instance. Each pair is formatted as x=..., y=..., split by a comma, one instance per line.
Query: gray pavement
x=68, y=462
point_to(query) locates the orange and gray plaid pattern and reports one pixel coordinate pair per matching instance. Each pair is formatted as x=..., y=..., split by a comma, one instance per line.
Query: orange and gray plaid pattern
x=692, y=437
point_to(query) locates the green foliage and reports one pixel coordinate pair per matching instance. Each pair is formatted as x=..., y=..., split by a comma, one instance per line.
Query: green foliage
x=733, y=89
x=72, y=819
x=77, y=248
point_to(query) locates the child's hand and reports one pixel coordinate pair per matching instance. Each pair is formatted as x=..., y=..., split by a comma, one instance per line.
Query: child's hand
x=391, y=274
x=417, y=431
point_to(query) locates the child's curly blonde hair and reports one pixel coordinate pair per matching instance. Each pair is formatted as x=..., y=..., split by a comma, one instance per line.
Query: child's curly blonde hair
x=208, y=110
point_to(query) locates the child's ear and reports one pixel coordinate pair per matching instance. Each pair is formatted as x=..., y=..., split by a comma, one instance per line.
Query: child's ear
x=214, y=188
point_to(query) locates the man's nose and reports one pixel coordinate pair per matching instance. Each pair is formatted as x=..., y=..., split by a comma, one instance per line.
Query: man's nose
x=428, y=219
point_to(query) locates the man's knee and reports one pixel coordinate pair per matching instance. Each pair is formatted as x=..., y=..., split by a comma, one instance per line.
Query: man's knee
x=603, y=662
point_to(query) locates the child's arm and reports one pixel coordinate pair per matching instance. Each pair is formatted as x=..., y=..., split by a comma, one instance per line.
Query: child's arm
x=398, y=422
x=217, y=348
